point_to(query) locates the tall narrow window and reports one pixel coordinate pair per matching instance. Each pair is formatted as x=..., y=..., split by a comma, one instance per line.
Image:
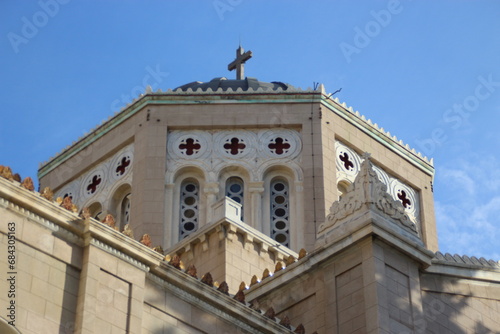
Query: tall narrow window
x=234, y=190
x=189, y=208
x=280, y=212
x=125, y=211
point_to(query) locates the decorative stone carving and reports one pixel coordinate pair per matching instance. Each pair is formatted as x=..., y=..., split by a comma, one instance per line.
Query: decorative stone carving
x=224, y=288
x=240, y=296
x=47, y=194
x=270, y=314
x=146, y=240
x=348, y=166
x=67, y=203
x=302, y=253
x=121, y=164
x=110, y=221
x=6, y=173
x=347, y=161
x=278, y=267
x=158, y=249
x=300, y=329
x=255, y=305
x=285, y=322
x=17, y=177
x=367, y=189
x=289, y=260
x=242, y=286
x=94, y=182
x=207, y=279
x=98, y=184
x=214, y=150
x=70, y=190
x=265, y=274
x=85, y=214
x=128, y=231
x=175, y=261
x=191, y=271
x=254, y=280
x=28, y=184
x=234, y=144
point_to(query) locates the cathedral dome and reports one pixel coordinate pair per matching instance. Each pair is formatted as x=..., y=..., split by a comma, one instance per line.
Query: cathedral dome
x=245, y=84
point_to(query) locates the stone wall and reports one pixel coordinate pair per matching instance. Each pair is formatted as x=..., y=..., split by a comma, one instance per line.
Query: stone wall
x=459, y=305
x=75, y=275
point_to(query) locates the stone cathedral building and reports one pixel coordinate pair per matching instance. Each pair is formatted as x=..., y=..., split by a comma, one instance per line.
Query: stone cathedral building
x=236, y=206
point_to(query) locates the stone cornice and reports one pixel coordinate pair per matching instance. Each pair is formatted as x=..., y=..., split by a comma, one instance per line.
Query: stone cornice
x=70, y=227
x=31, y=204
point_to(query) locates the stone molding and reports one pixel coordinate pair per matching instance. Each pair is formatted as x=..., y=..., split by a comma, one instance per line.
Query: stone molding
x=367, y=191
x=36, y=208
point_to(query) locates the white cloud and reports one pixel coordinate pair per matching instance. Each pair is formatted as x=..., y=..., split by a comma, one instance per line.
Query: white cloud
x=468, y=207
x=458, y=179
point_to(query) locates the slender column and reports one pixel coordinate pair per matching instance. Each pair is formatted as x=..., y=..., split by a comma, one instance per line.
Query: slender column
x=256, y=189
x=211, y=190
x=169, y=235
x=297, y=201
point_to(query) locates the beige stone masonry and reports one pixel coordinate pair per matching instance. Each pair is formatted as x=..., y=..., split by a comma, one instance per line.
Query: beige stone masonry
x=104, y=285
x=229, y=249
x=185, y=297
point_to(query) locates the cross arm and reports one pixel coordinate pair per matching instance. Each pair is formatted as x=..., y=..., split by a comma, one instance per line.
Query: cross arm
x=241, y=59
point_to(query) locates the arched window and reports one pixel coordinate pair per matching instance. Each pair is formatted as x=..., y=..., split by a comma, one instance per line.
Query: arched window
x=280, y=211
x=189, y=205
x=234, y=190
x=125, y=211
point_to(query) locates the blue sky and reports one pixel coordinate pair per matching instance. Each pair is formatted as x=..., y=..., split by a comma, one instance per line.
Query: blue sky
x=427, y=71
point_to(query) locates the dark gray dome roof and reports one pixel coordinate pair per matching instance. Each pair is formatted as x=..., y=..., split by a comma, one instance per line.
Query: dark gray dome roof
x=225, y=84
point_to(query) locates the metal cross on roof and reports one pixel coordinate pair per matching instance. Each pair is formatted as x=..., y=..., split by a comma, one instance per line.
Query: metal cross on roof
x=239, y=63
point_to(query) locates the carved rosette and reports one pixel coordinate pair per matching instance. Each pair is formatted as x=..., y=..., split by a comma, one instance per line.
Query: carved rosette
x=348, y=166
x=347, y=161
x=121, y=165
x=94, y=182
x=407, y=196
x=234, y=144
x=213, y=150
x=98, y=184
x=71, y=190
x=189, y=145
x=279, y=143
